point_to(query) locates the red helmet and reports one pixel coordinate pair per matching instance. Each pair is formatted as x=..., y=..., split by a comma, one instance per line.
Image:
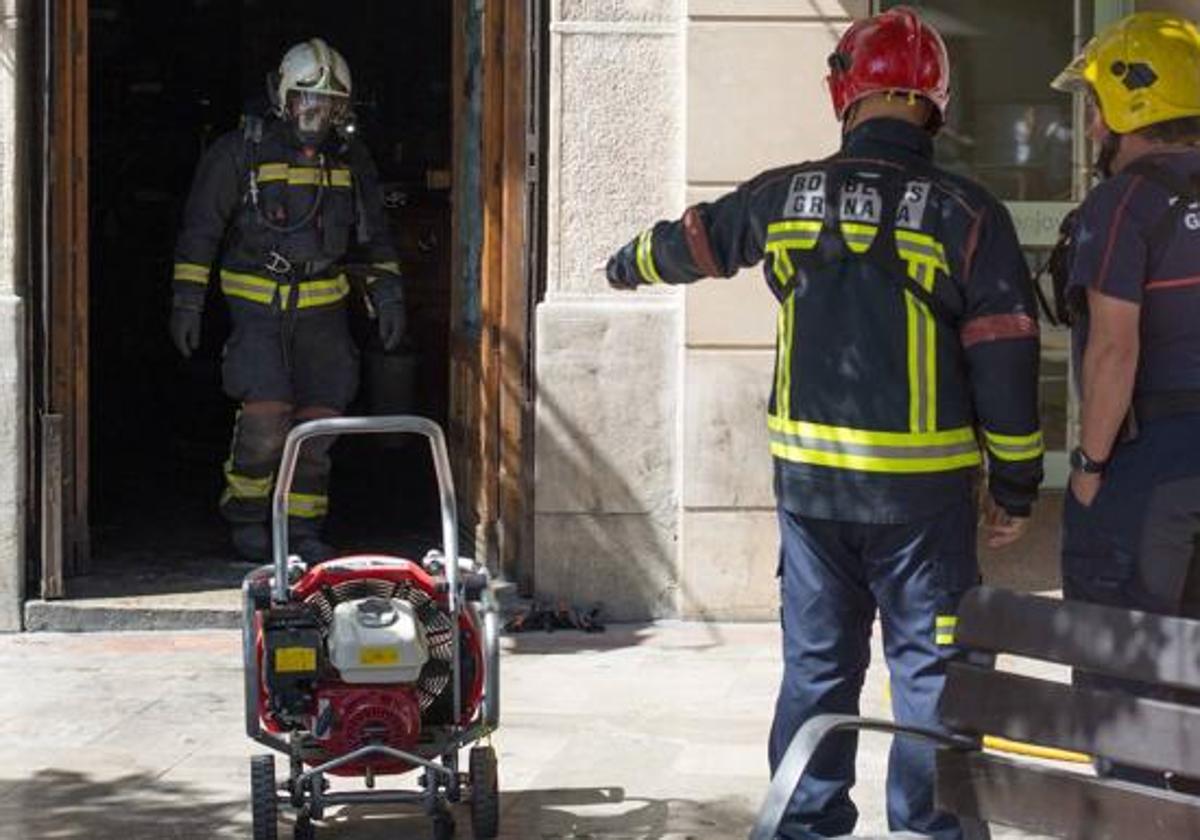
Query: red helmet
x=894, y=51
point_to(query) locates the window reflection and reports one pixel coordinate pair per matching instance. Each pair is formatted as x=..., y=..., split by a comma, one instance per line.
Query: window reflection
x=1005, y=127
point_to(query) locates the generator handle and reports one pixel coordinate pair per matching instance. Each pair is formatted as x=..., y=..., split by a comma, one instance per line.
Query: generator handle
x=397, y=424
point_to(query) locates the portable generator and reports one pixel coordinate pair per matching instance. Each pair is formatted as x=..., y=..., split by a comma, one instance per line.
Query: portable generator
x=371, y=665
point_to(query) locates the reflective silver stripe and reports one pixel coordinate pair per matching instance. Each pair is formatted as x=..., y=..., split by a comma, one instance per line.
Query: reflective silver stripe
x=872, y=450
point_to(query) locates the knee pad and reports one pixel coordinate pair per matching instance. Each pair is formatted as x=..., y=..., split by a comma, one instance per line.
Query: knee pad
x=259, y=437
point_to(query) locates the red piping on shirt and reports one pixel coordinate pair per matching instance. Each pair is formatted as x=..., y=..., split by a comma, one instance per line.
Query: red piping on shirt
x=1098, y=283
x=1154, y=285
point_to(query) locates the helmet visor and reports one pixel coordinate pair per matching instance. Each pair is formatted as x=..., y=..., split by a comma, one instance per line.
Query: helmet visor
x=1074, y=77
x=314, y=114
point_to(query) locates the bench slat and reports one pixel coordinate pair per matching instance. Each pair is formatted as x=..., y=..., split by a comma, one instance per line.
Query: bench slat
x=1047, y=801
x=1122, y=643
x=1132, y=730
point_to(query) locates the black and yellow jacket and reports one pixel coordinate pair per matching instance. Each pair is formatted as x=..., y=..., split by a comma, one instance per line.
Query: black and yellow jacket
x=907, y=335
x=281, y=222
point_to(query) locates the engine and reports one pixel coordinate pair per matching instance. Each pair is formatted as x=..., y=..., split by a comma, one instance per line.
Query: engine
x=363, y=656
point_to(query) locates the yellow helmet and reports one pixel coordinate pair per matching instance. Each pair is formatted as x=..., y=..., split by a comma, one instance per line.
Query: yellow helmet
x=1143, y=69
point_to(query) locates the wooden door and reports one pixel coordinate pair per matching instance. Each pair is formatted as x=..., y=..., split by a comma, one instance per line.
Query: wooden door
x=62, y=397
x=491, y=378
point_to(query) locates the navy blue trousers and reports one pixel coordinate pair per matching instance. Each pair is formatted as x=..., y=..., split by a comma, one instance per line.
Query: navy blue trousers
x=1137, y=546
x=833, y=578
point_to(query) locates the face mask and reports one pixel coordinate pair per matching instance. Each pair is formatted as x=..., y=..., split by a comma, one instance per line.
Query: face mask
x=313, y=115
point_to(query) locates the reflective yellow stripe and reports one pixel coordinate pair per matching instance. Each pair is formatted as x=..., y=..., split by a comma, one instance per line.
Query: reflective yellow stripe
x=322, y=292
x=1015, y=447
x=793, y=233
x=191, y=272
x=307, y=505
x=872, y=451
x=922, y=354
x=303, y=295
x=241, y=486
x=858, y=236
x=302, y=176
x=310, y=176
x=645, y=257
x=248, y=287
x=945, y=626
x=272, y=172
x=783, y=372
x=925, y=257
x=393, y=267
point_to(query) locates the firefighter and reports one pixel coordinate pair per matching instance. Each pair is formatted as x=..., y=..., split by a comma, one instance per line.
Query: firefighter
x=1132, y=517
x=273, y=211
x=907, y=333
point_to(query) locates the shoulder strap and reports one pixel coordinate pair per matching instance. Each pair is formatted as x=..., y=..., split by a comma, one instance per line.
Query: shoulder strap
x=1185, y=191
x=831, y=245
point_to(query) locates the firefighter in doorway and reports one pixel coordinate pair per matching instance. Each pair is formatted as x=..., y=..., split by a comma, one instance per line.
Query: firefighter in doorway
x=274, y=209
x=907, y=333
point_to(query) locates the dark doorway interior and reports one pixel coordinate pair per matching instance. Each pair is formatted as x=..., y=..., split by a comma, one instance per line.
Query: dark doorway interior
x=166, y=80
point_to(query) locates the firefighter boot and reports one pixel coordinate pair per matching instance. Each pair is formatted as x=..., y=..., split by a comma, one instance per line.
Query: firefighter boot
x=251, y=541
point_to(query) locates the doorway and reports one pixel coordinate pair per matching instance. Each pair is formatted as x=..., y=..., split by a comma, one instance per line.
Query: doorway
x=145, y=430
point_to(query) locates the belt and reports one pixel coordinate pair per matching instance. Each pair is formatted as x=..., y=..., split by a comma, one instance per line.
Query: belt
x=1160, y=404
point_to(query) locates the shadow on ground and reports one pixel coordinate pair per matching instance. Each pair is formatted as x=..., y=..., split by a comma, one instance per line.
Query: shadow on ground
x=565, y=814
x=67, y=805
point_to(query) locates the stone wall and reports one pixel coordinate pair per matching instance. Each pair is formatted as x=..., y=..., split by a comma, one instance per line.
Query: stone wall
x=756, y=100
x=607, y=504
x=12, y=344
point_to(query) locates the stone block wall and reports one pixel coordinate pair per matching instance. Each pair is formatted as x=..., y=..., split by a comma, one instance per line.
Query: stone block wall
x=12, y=320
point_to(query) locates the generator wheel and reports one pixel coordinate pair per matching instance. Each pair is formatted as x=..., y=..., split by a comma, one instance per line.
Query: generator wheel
x=264, y=803
x=443, y=826
x=485, y=793
x=304, y=830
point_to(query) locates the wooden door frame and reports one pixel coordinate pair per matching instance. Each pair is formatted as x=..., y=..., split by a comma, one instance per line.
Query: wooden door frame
x=498, y=392
x=493, y=384
x=62, y=365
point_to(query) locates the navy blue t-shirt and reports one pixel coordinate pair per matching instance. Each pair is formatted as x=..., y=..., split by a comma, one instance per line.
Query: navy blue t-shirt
x=1113, y=256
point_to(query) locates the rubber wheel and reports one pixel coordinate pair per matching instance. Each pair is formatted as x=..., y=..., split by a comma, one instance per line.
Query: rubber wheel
x=485, y=793
x=304, y=830
x=264, y=802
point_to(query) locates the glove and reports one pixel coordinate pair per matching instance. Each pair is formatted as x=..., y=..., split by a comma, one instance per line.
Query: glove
x=393, y=320
x=622, y=269
x=185, y=329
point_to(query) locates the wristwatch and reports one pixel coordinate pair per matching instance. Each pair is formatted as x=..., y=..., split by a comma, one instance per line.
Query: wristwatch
x=1084, y=464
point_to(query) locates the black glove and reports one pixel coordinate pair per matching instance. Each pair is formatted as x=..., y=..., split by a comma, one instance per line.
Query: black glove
x=622, y=268
x=185, y=329
x=393, y=320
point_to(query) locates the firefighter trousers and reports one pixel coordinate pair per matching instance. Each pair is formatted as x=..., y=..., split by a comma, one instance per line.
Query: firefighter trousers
x=834, y=576
x=1137, y=546
x=284, y=367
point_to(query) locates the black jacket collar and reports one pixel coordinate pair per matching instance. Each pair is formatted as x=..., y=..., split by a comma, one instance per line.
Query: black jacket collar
x=885, y=137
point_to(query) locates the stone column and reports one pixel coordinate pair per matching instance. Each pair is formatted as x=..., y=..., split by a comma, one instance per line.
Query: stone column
x=609, y=364
x=13, y=16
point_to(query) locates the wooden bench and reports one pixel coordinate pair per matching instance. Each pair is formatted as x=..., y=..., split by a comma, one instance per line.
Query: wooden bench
x=1157, y=735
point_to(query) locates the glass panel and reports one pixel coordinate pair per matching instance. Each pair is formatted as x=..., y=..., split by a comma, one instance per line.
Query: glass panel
x=1008, y=130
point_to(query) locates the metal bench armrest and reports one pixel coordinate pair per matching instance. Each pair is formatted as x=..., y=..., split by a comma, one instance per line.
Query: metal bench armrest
x=804, y=745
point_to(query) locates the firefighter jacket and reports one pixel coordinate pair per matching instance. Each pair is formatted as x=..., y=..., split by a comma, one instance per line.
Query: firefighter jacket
x=281, y=222
x=907, y=340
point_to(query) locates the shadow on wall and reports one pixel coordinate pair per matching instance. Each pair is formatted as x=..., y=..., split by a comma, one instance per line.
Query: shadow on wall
x=627, y=560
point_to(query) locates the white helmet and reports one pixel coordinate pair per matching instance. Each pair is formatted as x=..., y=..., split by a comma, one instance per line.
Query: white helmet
x=312, y=88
